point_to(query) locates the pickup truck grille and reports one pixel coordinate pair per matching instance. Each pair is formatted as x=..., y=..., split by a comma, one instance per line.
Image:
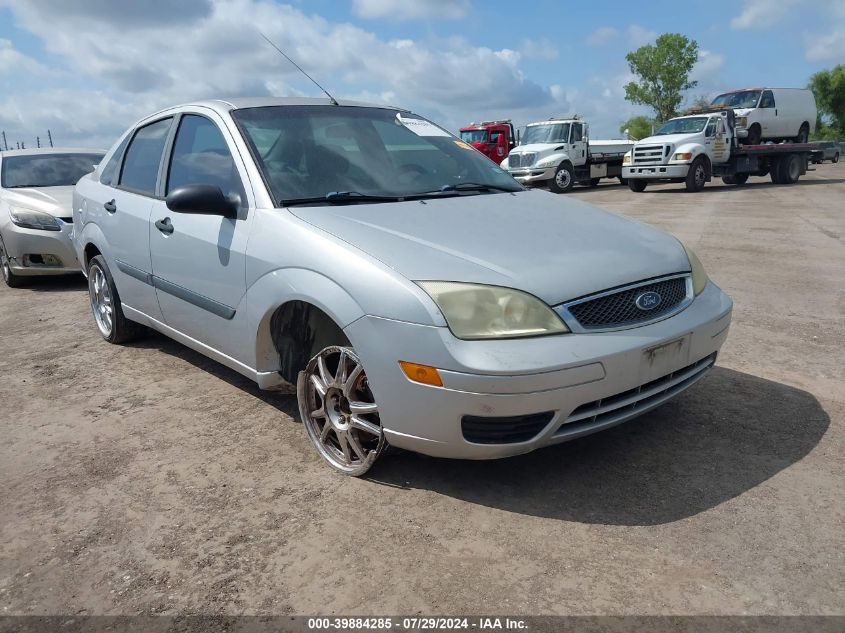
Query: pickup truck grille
x=521, y=160
x=649, y=154
x=618, y=308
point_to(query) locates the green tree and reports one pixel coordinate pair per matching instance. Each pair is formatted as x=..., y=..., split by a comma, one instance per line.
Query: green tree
x=638, y=127
x=829, y=88
x=662, y=70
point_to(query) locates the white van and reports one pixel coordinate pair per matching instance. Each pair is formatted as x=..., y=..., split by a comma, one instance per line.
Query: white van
x=771, y=114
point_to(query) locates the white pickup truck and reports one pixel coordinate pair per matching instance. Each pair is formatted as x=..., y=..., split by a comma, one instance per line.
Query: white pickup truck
x=559, y=152
x=693, y=149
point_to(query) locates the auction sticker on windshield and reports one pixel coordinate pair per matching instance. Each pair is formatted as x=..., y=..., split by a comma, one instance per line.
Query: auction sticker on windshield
x=421, y=127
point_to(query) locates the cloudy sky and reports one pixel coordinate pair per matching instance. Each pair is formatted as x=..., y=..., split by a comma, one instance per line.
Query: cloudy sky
x=87, y=69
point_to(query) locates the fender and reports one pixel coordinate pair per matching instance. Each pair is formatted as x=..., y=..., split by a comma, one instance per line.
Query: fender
x=279, y=286
x=91, y=233
x=553, y=160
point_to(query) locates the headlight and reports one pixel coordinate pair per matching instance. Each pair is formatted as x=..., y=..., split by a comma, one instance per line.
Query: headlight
x=682, y=156
x=32, y=219
x=699, y=276
x=626, y=159
x=483, y=312
x=742, y=121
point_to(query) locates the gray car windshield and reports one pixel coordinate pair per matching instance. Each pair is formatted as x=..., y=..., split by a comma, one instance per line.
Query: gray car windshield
x=46, y=170
x=683, y=126
x=744, y=99
x=546, y=133
x=360, y=154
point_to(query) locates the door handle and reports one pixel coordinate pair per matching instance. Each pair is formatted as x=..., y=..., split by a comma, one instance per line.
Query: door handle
x=110, y=206
x=164, y=226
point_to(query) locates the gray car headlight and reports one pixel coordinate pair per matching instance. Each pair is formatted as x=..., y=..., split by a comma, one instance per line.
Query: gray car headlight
x=483, y=312
x=32, y=219
x=699, y=276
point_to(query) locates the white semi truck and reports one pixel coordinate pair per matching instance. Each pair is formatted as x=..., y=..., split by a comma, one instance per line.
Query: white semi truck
x=559, y=153
x=695, y=148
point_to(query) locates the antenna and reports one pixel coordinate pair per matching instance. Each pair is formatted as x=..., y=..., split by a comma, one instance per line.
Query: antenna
x=269, y=41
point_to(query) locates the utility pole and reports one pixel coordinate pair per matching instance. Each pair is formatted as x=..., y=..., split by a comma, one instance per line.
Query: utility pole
x=38, y=141
x=50, y=138
x=5, y=144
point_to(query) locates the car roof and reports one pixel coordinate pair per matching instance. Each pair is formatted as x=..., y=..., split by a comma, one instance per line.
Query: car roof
x=239, y=103
x=51, y=150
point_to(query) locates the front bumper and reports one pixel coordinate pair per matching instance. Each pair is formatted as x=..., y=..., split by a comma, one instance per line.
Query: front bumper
x=656, y=172
x=521, y=377
x=28, y=251
x=532, y=174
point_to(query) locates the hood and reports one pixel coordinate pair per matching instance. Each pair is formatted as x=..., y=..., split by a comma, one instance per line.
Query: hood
x=57, y=201
x=537, y=147
x=672, y=139
x=556, y=248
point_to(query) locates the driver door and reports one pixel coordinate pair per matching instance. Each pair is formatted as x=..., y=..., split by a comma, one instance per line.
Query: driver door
x=578, y=144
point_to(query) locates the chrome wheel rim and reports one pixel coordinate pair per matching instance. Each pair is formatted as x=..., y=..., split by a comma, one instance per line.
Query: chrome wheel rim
x=562, y=178
x=101, y=300
x=339, y=411
x=4, y=264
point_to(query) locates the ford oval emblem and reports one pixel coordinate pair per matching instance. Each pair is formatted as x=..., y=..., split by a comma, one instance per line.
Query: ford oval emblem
x=648, y=300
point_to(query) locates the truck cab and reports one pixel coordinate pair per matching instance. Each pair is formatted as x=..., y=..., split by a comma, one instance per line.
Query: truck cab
x=494, y=139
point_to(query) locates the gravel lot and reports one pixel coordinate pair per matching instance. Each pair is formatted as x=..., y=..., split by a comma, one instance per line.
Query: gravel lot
x=148, y=479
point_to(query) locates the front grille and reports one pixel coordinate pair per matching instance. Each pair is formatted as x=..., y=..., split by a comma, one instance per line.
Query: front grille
x=648, y=154
x=506, y=430
x=619, y=308
x=521, y=160
x=628, y=404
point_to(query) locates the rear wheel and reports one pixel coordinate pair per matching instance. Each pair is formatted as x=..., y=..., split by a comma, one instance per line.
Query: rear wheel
x=637, y=185
x=106, y=306
x=697, y=175
x=339, y=411
x=564, y=179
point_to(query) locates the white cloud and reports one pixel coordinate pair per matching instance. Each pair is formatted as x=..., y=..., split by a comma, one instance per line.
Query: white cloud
x=707, y=68
x=829, y=47
x=601, y=36
x=761, y=14
x=12, y=60
x=539, y=49
x=136, y=70
x=410, y=9
x=639, y=35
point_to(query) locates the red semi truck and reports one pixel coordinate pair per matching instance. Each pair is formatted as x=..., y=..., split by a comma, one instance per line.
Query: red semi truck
x=494, y=139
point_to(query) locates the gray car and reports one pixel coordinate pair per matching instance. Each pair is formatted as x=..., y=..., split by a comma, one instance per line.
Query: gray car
x=413, y=291
x=36, y=186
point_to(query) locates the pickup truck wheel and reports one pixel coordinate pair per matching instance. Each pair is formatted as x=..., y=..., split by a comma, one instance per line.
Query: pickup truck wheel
x=12, y=280
x=835, y=158
x=803, y=133
x=697, y=175
x=564, y=179
x=339, y=411
x=637, y=185
x=106, y=307
x=755, y=134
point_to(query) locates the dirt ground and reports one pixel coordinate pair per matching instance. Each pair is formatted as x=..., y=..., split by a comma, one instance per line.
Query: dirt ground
x=148, y=479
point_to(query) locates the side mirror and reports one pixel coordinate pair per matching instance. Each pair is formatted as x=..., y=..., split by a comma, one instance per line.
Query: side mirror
x=203, y=200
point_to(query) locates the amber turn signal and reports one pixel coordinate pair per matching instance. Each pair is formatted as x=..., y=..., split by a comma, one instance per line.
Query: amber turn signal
x=422, y=374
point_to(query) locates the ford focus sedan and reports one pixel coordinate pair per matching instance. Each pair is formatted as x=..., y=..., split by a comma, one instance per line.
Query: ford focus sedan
x=415, y=294
x=36, y=186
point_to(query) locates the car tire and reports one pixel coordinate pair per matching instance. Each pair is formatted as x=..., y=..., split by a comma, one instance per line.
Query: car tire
x=697, y=175
x=12, y=280
x=755, y=135
x=105, y=303
x=735, y=179
x=835, y=158
x=803, y=133
x=339, y=411
x=564, y=179
x=637, y=185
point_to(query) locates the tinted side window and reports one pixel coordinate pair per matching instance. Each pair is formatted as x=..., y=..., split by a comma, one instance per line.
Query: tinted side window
x=767, y=100
x=201, y=157
x=109, y=174
x=143, y=157
x=576, y=132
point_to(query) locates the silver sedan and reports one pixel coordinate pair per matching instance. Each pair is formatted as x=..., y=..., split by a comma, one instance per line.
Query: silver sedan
x=36, y=220
x=413, y=291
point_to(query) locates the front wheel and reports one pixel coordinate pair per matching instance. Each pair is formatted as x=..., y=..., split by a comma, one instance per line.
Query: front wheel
x=339, y=411
x=12, y=280
x=697, y=175
x=637, y=185
x=755, y=134
x=564, y=179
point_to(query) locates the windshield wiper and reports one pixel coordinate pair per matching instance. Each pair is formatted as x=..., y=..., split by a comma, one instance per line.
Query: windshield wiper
x=341, y=197
x=468, y=186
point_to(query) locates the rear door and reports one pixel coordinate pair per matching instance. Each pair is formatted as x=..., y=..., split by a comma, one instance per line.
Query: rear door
x=122, y=206
x=200, y=267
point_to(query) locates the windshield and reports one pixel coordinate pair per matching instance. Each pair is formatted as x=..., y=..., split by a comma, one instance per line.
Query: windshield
x=546, y=133
x=311, y=151
x=683, y=126
x=47, y=170
x=474, y=136
x=744, y=99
